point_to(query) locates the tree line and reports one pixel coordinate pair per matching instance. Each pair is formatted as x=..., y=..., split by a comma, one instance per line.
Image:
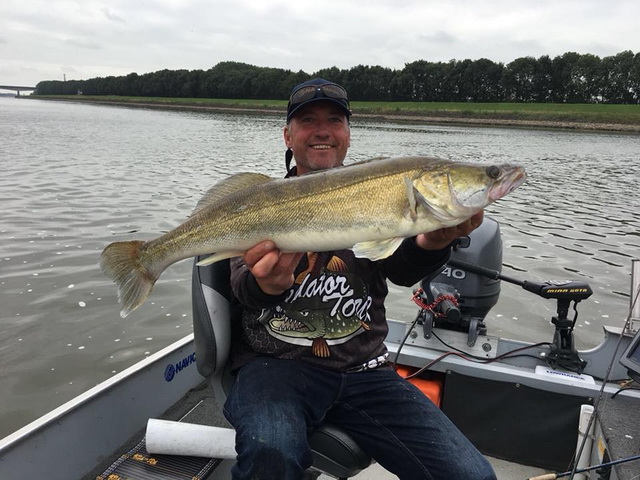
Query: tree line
x=568, y=78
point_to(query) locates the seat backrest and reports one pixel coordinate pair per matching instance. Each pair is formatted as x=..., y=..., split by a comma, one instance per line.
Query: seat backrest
x=211, y=304
x=334, y=451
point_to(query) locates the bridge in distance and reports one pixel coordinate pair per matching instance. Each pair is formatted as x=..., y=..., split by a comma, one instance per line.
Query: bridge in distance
x=17, y=89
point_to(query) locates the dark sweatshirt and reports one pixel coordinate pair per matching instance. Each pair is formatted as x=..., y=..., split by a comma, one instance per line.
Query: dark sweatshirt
x=333, y=316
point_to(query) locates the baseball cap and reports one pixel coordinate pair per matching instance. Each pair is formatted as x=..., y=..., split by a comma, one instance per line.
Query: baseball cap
x=315, y=90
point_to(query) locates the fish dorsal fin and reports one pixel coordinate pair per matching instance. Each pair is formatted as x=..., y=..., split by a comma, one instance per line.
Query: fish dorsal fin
x=377, y=249
x=232, y=184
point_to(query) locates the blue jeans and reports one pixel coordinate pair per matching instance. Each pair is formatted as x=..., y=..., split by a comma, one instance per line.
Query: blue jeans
x=274, y=404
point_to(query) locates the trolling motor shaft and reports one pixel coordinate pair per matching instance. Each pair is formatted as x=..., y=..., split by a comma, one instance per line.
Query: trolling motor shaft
x=563, y=352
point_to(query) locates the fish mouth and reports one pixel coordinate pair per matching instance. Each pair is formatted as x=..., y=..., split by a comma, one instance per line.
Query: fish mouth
x=511, y=180
x=288, y=325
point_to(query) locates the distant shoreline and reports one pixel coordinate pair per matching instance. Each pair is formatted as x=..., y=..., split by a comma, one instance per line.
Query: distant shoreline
x=441, y=118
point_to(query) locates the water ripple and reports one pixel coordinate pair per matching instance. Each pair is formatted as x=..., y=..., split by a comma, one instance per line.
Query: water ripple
x=77, y=177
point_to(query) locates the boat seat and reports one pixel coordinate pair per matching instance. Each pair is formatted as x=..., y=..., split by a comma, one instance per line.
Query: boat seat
x=334, y=451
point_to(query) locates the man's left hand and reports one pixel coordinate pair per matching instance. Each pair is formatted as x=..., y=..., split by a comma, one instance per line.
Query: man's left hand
x=438, y=239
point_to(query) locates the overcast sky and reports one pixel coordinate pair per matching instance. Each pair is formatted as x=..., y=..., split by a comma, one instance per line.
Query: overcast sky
x=46, y=39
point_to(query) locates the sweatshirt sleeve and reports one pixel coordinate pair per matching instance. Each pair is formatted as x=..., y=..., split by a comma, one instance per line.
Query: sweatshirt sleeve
x=410, y=263
x=246, y=289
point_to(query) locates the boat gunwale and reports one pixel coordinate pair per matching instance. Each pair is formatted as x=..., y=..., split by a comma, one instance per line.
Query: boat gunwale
x=14, y=439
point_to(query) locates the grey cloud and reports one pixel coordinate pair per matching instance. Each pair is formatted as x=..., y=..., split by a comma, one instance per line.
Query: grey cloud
x=121, y=36
x=84, y=43
x=112, y=16
x=439, y=36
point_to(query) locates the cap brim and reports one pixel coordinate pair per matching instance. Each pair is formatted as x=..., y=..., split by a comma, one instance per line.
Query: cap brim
x=335, y=101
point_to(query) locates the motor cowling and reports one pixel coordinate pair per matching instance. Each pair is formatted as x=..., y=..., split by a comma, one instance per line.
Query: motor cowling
x=474, y=294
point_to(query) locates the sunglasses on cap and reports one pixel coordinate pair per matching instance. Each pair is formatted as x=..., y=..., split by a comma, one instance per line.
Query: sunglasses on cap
x=327, y=90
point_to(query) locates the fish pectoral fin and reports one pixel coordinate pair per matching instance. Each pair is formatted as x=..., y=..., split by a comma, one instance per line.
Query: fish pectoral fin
x=377, y=249
x=320, y=348
x=232, y=184
x=216, y=257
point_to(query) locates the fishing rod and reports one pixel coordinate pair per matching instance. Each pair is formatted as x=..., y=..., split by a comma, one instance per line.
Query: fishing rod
x=627, y=323
x=553, y=476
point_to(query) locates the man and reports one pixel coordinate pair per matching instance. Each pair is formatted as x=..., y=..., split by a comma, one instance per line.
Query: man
x=309, y=346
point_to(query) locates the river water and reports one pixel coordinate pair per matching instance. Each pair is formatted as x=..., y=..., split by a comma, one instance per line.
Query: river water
x=75, y=177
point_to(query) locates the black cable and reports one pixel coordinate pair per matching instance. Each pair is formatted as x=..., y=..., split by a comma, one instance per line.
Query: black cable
x=461, y=353
x=474, y=358
x=404, y=340
x=499, y=357
x=622, y=390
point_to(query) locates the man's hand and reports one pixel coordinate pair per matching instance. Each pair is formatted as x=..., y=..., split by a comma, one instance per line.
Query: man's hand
x=272, y=269
x=439, y=239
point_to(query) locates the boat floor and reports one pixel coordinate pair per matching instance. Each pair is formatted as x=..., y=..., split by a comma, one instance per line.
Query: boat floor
x=504, y=471
x=199, y=406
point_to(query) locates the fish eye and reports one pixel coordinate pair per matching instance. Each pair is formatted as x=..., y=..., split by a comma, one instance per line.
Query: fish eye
x=493, y=172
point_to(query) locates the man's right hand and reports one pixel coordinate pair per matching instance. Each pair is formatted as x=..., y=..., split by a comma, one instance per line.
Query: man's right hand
x=272, y=269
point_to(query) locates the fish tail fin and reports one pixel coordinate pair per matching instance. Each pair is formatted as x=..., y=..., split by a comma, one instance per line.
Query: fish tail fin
x=121, y=262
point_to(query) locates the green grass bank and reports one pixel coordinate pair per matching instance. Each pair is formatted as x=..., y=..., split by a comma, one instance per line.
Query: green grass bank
x=624, y=118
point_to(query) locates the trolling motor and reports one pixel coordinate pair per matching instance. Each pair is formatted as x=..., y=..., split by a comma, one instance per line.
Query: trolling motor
x=459, y=301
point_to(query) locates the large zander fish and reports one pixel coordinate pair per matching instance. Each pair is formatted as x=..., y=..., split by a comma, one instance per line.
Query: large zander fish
x=368, y=206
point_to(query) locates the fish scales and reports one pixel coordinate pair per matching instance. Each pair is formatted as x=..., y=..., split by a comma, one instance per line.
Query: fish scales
x=324, y=201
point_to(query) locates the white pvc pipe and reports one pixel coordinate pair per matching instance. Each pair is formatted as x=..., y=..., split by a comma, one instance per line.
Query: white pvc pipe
x=586, y=412
x=177, y=438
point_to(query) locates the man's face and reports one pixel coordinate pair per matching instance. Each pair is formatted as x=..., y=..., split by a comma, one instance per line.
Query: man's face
x=319, y=136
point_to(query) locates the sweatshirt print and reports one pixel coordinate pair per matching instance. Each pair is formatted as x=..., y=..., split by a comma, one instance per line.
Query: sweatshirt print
x=333, y=316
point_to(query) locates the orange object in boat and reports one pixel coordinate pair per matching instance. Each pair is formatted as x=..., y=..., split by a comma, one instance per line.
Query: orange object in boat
x=432, y=388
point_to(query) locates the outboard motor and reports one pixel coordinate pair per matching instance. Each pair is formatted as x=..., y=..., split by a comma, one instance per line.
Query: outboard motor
x=459, y=300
